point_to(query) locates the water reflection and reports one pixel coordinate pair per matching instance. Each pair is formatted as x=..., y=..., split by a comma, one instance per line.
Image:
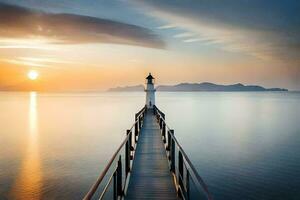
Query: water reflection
x=28, y=182
x=250, y=140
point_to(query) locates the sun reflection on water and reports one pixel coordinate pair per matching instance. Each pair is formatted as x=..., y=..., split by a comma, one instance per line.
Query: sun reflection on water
x=29, y=181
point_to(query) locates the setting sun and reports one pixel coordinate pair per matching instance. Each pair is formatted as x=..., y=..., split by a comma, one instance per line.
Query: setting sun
x=32, y=75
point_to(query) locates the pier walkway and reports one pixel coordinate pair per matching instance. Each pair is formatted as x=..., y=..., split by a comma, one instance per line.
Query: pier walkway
x=149, y=164
x=151, y=177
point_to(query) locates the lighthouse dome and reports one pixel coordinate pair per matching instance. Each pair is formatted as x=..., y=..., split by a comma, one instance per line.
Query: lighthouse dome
x=150, y=78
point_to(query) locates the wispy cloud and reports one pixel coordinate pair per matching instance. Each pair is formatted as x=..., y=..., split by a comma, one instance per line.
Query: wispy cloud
x=192, y=40
x=40, y=61
x=29, y=43
x=49, y=60
x=20, y=22
x=263, y=29
x=24, y=62
x=167, y=26
x=184, y=35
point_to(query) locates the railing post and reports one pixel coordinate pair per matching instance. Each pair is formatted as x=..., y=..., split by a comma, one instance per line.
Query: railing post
x=172, y=152
x=119, y=177
x=131, y=144
x=187, y=184
x=169, y=141
x=164, y=131
x=140, y=124
x=160, y=122
x=127, y=153
x=136, y=129
x=180, y=171
x=115, y=186
x=157, y=114
x=136, y=132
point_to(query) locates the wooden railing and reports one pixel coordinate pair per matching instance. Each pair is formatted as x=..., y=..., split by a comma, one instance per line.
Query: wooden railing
x=189, y=184
x=118, y=176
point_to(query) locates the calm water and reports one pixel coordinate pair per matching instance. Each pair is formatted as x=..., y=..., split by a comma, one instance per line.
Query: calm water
x=244, y=145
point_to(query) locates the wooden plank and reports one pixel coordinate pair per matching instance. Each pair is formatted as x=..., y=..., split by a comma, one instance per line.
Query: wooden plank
x=150, y=176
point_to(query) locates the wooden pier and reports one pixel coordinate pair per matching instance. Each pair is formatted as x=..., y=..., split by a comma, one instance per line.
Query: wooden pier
x=149, y=164
x=151, y=177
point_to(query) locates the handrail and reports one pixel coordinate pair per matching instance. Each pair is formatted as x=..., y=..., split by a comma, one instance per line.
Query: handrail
x=95, y=186
x=198, y=178
x=184, y=163
x=107, y=185
x=138, y=114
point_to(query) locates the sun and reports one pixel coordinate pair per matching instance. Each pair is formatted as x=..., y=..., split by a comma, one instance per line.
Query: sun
x=32, y=75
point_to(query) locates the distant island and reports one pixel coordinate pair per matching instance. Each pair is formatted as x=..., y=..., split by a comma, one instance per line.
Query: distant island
x=135, y=88
x=195, y=87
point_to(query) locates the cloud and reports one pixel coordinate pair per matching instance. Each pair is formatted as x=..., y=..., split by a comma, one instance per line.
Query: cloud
x=167, y=26
x=192, y=40
x=184, y=35
x=44, y=61
x=21, y=22
x=266, y=29
x=23, y=62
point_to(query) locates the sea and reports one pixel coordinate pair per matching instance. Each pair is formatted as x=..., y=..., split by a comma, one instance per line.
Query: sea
x=245, y=145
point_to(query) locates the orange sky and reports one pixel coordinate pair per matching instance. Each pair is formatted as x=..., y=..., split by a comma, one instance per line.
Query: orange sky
x=100, y=72
x=75, y=52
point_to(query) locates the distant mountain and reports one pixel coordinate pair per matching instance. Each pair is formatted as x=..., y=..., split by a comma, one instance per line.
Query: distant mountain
x=190, y=87
x=214, y=87
x=135, y=88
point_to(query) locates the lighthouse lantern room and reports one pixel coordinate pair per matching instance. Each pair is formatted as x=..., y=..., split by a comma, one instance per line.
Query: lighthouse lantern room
x=150, y=91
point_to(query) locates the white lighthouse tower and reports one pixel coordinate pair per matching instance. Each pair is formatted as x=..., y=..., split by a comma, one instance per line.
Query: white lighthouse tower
x=150, y=91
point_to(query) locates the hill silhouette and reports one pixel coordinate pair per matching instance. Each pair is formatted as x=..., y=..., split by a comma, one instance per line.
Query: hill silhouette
x=205, y=86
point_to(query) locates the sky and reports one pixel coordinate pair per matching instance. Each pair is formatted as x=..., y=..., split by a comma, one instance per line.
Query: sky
x=83, y=45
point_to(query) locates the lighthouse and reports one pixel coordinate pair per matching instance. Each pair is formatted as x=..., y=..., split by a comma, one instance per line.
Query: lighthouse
x=150, y=91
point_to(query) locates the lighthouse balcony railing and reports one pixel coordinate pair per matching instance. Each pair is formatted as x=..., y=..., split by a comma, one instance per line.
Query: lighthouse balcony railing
x=113, y=181
x=189, y=184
